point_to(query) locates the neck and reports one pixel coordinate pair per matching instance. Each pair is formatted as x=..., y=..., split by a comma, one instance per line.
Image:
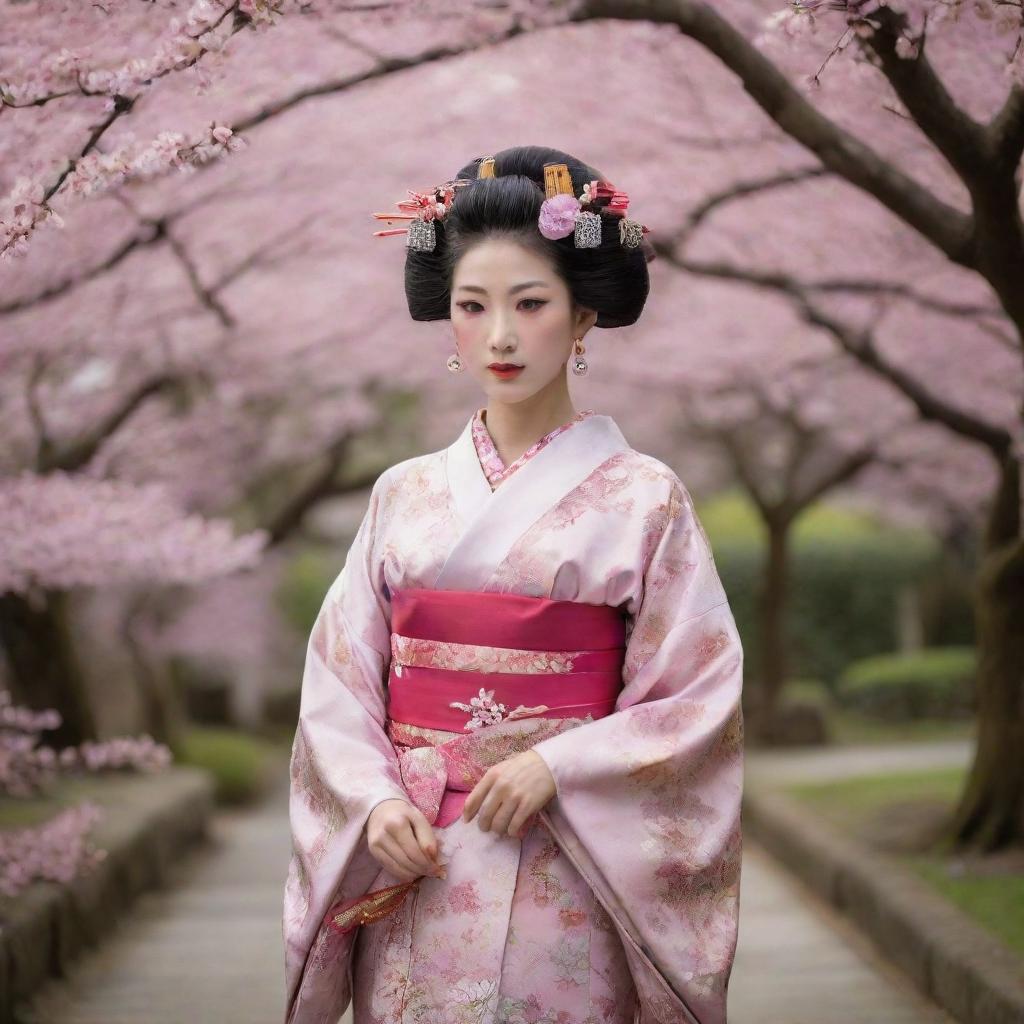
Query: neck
x=515, y=426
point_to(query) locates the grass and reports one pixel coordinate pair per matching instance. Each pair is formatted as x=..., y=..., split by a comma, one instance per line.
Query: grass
x=850, y=803
x=851, y=728
x=994, y=900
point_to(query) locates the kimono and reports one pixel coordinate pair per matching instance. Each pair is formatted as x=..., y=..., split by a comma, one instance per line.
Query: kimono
x=579, y=584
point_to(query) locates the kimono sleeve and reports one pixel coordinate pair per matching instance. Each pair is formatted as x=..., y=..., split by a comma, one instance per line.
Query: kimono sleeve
x=342, y=762
x=648, y=798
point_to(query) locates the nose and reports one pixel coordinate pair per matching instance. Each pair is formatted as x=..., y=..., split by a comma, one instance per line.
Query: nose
x=503, y=338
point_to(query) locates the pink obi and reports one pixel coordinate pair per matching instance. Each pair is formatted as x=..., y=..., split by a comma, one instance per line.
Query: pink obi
x=463, y=659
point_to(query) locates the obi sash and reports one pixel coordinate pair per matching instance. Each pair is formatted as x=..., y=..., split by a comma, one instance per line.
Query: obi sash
x=462, y=660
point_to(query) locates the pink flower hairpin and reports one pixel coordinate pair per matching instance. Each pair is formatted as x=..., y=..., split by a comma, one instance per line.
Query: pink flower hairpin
x=562, y=214
x=422, y=209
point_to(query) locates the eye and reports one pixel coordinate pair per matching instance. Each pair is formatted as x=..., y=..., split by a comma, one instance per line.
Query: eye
x=538, y=304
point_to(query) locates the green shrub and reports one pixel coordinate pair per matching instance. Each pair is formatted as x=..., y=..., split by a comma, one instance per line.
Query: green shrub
x=846, y=571
x=304, y=585
x=812, y=692
x=240, y=763
x=934, y=683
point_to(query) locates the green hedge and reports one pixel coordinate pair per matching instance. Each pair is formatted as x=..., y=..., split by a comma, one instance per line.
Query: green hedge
x=846, y=571
x=241, y=764
x=304, y=585
x=936, y=683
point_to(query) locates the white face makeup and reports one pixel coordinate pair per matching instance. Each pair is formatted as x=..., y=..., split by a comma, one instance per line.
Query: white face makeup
x=509, y=306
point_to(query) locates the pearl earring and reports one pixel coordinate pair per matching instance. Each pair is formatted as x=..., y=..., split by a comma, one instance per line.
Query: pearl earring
x=454, y=362
x=579, y=364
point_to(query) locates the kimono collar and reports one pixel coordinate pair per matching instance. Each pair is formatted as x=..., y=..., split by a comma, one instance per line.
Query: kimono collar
x=494, y=520
x=494, y=468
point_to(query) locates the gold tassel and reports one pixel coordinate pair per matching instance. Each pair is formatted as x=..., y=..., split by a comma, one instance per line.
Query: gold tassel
x=369, y=908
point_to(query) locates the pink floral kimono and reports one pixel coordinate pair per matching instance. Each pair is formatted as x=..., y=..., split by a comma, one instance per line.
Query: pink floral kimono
x=568, y=603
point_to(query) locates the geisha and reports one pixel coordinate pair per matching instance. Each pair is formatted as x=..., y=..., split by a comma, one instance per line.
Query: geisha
x=517, y=772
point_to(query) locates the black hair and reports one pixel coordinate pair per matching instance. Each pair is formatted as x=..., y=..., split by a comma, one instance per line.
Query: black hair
x=610, y=279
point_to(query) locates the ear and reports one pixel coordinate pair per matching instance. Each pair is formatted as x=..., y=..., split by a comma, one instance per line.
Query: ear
x=585, y=319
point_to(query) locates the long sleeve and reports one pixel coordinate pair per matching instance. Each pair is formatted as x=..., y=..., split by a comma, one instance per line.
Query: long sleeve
x=648, y=798
x=342, y=762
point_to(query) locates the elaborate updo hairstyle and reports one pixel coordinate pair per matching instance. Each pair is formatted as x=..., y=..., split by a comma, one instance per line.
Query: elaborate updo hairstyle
x=610, y=279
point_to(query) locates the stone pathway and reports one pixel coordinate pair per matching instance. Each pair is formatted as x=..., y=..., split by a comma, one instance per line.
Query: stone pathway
x=799, y=962
x=208, y=949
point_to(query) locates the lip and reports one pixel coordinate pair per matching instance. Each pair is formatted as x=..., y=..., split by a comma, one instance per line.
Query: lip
x=505, y=370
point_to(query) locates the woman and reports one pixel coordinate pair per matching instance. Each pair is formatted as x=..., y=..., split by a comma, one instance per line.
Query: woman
x=517, y=772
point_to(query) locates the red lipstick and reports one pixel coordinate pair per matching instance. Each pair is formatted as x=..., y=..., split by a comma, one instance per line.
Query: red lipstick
x=506, y=371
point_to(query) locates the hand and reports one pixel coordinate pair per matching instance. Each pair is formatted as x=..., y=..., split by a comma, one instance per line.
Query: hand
x=511, y=792
x=402, y=840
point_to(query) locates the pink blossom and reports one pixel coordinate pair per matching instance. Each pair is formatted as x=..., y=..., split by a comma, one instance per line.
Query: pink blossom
x=558, y=216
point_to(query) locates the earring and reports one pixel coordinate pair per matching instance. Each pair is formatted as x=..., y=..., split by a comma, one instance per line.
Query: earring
x=579, y=364
x=454, y=362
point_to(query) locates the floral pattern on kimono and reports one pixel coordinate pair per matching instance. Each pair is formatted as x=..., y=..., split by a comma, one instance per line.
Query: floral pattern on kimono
x=624, y=890
x=491, y=461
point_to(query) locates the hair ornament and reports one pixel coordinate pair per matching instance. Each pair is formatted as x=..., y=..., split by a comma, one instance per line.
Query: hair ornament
x=561, y=214
x=421, y=210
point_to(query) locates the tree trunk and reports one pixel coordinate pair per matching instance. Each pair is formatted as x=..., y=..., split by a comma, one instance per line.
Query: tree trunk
x=162, y=709
x=772, y=604
x=37, y=640
x=990, y=814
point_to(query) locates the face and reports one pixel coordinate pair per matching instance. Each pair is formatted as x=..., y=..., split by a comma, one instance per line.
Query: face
x=509, y=305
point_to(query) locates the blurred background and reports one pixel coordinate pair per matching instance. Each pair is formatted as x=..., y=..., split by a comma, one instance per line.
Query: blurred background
x=206, y=360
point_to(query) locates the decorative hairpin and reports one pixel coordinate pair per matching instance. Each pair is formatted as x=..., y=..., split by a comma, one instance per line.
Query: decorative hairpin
x=561, y=213
x=424, y=208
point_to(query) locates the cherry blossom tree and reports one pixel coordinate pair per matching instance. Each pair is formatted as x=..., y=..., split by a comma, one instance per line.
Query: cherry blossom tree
x=781, y=152
x=966, y=132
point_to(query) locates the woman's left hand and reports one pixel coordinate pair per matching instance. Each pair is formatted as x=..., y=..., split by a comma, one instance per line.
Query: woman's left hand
x=510, y=792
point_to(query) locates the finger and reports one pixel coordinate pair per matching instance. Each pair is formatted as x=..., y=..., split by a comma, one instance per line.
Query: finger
x=392, y=867
x=489, y=809
x=407, y=840
x=518, y=820
x=476, y=797
x=400, y=855
x=504, y=815
x=426, y=839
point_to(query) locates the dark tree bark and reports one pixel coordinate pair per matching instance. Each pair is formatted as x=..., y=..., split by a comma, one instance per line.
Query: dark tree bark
x=990, y=813
x=44, y=670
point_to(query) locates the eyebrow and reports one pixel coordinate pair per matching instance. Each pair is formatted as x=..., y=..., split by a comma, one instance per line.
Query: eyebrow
x=515, y=288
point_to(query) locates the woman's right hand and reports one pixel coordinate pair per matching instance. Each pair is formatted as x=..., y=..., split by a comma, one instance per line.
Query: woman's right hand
x=402, y=840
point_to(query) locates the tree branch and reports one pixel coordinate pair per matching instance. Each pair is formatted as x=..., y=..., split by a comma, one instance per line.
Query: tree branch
x=384, y=66
x=80, y=451
x=859, y=344
x=1006, y=130
x=742, y=189
x=322, y=484
x=949, y=128
x=949, y=229
x=205, y=296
